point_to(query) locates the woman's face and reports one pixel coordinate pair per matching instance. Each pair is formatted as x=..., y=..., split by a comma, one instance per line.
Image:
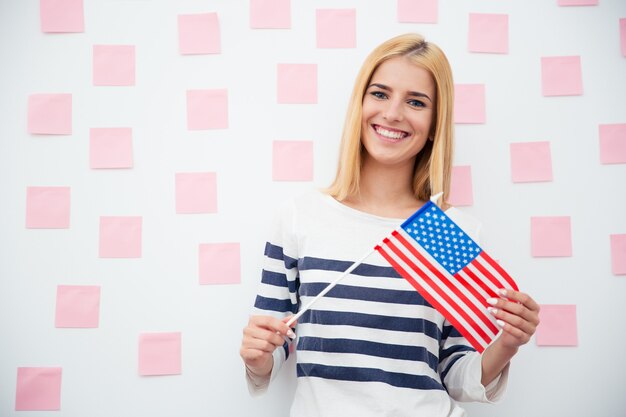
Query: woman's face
x=398, y=109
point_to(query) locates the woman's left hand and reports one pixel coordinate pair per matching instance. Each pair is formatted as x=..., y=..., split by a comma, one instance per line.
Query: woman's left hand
x=518, y=316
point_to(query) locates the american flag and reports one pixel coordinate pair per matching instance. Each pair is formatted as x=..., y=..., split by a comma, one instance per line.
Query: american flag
x=449, y=270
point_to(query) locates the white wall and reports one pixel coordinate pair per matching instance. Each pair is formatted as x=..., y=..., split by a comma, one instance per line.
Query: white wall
x=160, y=291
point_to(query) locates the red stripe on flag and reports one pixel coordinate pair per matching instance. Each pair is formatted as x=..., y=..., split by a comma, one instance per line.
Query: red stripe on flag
x=446, y=281
x=500, y=270
x=474, y=342
x=480, y=282
x=476, y=264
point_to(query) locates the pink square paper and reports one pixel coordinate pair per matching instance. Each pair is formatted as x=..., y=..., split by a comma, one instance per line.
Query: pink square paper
x=114, y=65
x=577, y=2
x=561, y=76
x=196, y=192
x=47, y=207
x=50, y=114
x=297, y=83
x=531, y=162
x=622, y=35
x=418, y=11
x=618, y=254
x=613, y=143
x=111, y=147
x=77, y=306
x=551, y=236
x=160, y=353
x=461, y=192
x=38, y=389
x=207, y=109
x=199, y=34
x=336, y=28
x=219, y=263
x=489, y=33
x=557, y=325
x=469, y=103
x=292, y=160
x=62, y=15
x=120, y=237
x=270, y=14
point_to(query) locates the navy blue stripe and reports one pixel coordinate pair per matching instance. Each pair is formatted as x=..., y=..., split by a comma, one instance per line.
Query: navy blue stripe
x=450, y=331
x=343, y=373
x=371, y=321
x=363, y=347
x=286, y=349
x=276, y=252
x=274, y=304
x=411, y=297
x=448, y=367
x=443, y=354
x=278, y=280
x=366, y=270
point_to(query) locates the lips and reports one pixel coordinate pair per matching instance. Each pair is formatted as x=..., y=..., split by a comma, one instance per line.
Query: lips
x=390, y=134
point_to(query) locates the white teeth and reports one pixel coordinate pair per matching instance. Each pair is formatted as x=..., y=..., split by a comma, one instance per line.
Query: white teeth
x=389, y=134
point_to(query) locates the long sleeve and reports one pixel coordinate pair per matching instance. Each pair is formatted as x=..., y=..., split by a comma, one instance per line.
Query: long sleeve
x=278, y=291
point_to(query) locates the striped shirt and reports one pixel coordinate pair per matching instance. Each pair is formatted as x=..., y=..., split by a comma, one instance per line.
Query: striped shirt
x=372, y=346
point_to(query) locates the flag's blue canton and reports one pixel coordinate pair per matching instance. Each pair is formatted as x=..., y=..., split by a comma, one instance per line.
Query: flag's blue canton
x=446, y=242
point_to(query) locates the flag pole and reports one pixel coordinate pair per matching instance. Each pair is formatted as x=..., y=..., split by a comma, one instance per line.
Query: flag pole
x=328, y=288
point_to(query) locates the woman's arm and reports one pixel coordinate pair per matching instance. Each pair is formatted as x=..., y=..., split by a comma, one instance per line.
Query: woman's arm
x=518, y=315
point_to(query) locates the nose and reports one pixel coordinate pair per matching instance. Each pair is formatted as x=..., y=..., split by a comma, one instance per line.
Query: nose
x=393, y=111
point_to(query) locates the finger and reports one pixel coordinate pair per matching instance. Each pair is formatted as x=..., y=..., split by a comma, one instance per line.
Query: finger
x=254, y=334
x=513, y=320
x=522, y=298
x=271, y=323
x=515, y=308
x=521, y=336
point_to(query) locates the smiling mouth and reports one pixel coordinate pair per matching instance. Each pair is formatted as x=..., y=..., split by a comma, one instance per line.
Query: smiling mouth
x=388, y=133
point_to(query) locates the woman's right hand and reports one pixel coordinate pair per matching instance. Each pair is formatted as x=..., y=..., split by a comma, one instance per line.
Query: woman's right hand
x=261, y=337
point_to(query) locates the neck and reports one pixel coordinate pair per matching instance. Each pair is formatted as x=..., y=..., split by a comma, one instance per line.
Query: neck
x=385, y=191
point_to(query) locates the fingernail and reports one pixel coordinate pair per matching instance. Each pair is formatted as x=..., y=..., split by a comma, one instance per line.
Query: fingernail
x=291, y=334
x=502, y=292
x=492, y=301
x=492, y=310
x=500, y=323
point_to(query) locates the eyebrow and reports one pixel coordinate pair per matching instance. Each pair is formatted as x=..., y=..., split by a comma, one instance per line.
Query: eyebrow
x=410, y=93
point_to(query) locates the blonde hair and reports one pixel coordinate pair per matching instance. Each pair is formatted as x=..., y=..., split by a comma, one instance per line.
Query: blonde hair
x=433, y=165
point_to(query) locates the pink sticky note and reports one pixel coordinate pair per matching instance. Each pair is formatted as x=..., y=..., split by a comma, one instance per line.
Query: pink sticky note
x=160, y=353
x=489, y=33
x=199, y=34
x=196, y=192
x=551, y=236
x=577, y=2
x=47, y=207
x=38, y=389
x=207, y=109
x=618, y=254
x=77, y=306
x=114, y=65
x=622, y=35
x=111, y=147
x=469, y=103
x=417, y=11
x=531, y=162
x=120, y=237
x=270, y=14
x=292, y=160
x=297, y=83
x=461, y=193
x=561, y=76
x=61, y=15
x=557, y=325
x=219, y=263
x=336, y=28
x=613, y=143
x=50, y=114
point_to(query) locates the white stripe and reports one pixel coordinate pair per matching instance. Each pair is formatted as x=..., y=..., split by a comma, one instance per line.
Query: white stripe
x=474, y=284
x=493, y=271
x=481, y=277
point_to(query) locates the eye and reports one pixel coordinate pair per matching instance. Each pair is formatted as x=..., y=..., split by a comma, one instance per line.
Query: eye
x=416, y=103
x=379, y=95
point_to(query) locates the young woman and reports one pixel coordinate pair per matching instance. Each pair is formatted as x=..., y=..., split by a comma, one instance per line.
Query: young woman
x=373, y=346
